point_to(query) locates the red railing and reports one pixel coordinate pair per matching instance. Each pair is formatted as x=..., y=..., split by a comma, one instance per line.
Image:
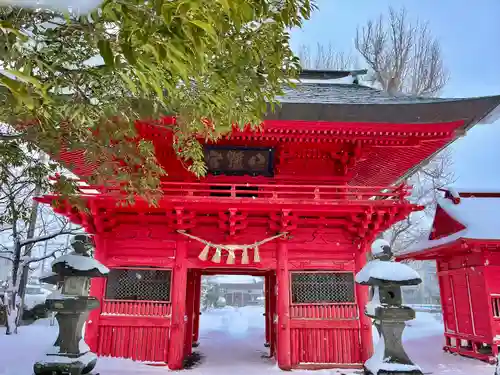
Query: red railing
x=337, y=311
x=268, y=192
x=136, y=308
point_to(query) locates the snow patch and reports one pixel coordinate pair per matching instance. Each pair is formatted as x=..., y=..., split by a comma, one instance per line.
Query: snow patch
x=378, y=246
x=377, y=362
x=383, y=270
x=81, y=263
x=374, y=302
x=226, y=354
x=58, y=296
x=85, y=359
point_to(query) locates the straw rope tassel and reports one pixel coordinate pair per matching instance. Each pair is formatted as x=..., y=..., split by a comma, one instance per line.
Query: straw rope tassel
x=230, y=257
x=244, y=256
x=204, y=253
x=256, y=255
x=217, y=255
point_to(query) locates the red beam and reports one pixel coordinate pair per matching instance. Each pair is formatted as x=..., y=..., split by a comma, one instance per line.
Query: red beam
x=325, y=323
x=133, y=321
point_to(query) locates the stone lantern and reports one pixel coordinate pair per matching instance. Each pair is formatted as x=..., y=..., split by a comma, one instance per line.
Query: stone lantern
x=386, y=308
x=71, y=303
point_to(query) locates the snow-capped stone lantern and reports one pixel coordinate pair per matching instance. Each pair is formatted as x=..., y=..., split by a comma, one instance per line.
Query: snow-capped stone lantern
x=71, y=303
x=386, y=308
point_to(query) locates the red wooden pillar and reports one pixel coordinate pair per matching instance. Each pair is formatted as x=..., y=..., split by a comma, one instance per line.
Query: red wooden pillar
x=197, y=309
x=97, y=289
x=283, y=306
x=179, y=287
x=190, y=300
x=365, y=322
x=272, y=312
x=267, y=315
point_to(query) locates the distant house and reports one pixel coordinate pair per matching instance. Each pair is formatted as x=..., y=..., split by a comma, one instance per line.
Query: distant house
x=240, y=290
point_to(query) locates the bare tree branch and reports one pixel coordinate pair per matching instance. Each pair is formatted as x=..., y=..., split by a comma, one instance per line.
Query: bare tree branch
x=325, y=57
x=47, y=237
x=39, y=259
x=404, y=56
x=426, y=183
x=6, y=258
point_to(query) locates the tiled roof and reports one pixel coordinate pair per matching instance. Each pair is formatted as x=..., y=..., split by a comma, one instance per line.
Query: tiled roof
x=334, y=93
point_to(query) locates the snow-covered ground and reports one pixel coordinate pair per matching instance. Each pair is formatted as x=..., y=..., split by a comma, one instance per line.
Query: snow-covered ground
x=232, y=343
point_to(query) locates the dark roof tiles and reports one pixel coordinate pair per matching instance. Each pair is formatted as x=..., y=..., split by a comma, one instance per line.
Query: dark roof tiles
x=331, y=93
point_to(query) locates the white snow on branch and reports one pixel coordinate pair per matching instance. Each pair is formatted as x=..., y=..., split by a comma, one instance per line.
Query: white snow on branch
x=45, y=237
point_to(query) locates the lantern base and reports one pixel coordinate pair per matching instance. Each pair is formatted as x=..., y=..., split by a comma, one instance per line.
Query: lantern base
x=59, y=364
x=394, y=372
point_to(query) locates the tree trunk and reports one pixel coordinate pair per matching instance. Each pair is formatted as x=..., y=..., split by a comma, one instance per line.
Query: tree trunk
x=11, y=295
x=30, y=234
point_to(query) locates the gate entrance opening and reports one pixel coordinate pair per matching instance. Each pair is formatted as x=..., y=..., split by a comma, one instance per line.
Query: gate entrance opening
x=233, y=324
x=230, y=312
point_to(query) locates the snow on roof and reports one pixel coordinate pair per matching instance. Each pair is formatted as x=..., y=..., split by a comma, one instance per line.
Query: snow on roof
x=81, y=263
x=480, y=216
x=472, y=190
x=383, y=270
x=235, y=279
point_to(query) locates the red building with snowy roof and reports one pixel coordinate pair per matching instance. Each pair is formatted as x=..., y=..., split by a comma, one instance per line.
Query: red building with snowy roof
x=465, y=242
x=298, y=203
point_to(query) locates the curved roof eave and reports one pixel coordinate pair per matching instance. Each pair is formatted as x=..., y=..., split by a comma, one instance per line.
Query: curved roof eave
x=471, y=111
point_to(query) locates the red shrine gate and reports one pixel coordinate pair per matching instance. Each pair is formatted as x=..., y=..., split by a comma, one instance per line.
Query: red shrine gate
x=298, y=202
x=150, y=307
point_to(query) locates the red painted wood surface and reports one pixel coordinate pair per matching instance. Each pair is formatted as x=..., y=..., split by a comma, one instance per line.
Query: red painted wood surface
x=444, y=225
x=135, y=308
x=362, y=153
x=362, y=300
x=179, y=318
x=268, y=290
x=330, y=347
x=190, y=308
x=134, y=329
x=273, y=321
x=197, y=307
x=284, y=354
x=467, y=285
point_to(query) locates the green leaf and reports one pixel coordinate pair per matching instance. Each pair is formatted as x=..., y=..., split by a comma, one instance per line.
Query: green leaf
x=128, y=53
x=13, y=85
x=25, y=78
x=131, y=85
x=106, y=52
x=225, y=5
x=205, y=27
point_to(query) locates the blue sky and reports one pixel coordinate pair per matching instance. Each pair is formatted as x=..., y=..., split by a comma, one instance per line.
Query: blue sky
x=469, y=33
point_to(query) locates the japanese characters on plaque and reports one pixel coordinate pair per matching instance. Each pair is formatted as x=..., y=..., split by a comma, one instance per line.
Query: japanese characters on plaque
x=239, y=160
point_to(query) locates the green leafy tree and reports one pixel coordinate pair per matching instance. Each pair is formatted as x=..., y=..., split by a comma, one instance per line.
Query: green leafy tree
x=79, y=82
